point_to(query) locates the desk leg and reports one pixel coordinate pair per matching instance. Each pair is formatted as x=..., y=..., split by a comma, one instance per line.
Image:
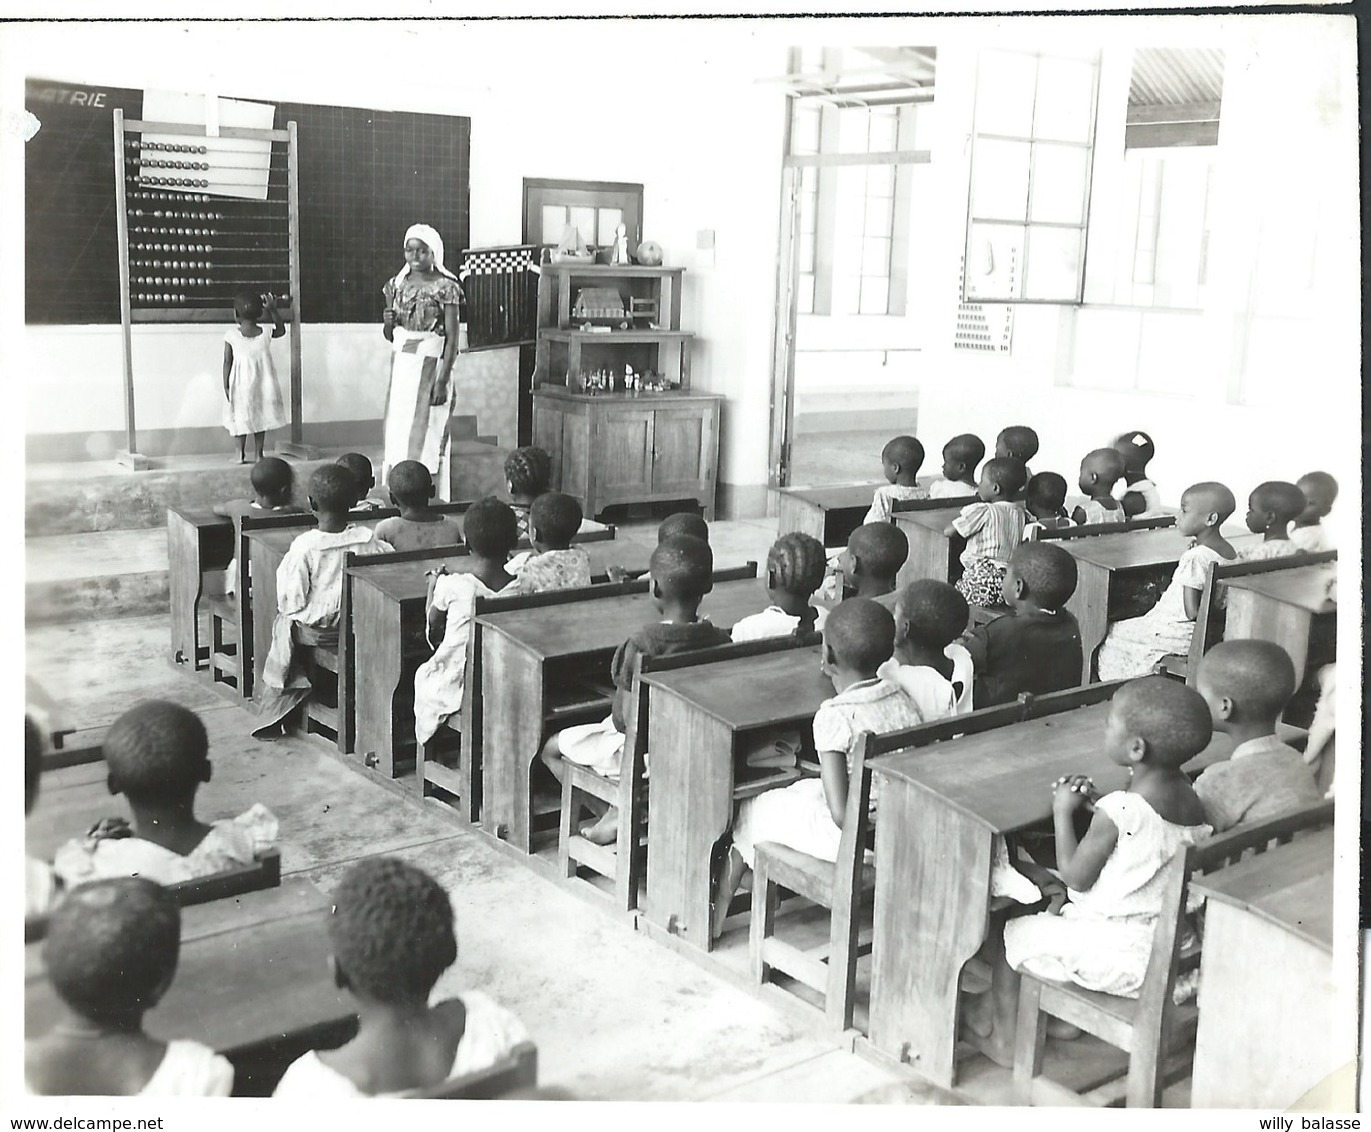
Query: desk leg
x=1090, y=604
x=512, y=733
x=263, y=608
x=184, y=583
x=929, y=555
x=376, y=637
x=932, y=906
x=689, y=807
x=1252, y=616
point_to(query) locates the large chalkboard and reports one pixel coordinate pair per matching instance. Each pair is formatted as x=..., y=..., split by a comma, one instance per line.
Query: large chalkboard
x=365, y=176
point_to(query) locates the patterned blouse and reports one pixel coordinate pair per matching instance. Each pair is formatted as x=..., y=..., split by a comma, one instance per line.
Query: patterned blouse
x=418, y=305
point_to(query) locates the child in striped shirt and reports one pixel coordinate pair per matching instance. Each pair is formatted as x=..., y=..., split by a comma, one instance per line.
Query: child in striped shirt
x=993, y=528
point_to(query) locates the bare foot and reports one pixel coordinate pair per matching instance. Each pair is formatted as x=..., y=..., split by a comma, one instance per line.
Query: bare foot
x=603, y=832
x=997, y=1046
x=1062, y=1030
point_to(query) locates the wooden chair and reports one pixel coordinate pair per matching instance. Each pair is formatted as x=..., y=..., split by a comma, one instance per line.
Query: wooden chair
x=1088, y=530
x=1157, y=1034
x=624, y=863
x=512, y=1074
x=831, y=969
x=1209, y=617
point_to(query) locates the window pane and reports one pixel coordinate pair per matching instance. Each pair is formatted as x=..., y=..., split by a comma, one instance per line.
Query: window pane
x=609, y=219
x=999, y=179
x=804, y=294
x=853, y=124
x=993, y=267
x=878, y=213
x=809, y=179
x=849, y=205
x=1059, y=175
x=554, y=221
x=880, y=180
x=1054, y=264
x=882, y=138
x=846, y=294
x=804, y=134
x=848, y=257
x=808, y=205
x=875, y=257
x=1065, y=91
x=875, y=295
x=807, y=251
x=584, y=219
x=1004, y=93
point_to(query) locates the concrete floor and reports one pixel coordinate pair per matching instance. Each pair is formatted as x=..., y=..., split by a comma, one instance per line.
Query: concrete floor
x=615, y=1014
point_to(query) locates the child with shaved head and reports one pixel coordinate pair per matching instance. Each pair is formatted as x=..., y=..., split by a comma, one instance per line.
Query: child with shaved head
x=1271, y=508
x=1141, y=499
x=418, y=526
x=1100, y=471
x=901, y=460
x=1247, y=685
x=1134, y=646
x=859, y=636
x=868, y=566
x=1320, y=490
x=961, y=454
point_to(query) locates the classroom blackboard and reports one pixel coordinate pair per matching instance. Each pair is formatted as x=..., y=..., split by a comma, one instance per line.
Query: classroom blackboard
x=365, y=176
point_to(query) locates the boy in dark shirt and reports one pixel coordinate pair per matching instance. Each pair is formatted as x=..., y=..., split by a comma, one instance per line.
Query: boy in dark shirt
x=1036, y=647
x=682, y=570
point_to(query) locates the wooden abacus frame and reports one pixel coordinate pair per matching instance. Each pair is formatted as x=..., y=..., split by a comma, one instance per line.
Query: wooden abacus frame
x=131, y=457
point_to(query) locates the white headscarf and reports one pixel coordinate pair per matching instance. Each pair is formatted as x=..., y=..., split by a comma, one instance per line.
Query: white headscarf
x=435, y=244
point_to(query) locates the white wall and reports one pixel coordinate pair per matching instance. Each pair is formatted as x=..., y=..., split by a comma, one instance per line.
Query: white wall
x=673, y=106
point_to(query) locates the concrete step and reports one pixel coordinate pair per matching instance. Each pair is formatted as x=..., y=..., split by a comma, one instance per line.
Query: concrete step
x=89, y=576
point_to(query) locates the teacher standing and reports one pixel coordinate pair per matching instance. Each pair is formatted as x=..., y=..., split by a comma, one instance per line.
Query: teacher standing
x=421, y=324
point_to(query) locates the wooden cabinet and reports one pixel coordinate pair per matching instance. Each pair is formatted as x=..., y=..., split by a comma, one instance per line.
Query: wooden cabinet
x=624, y=448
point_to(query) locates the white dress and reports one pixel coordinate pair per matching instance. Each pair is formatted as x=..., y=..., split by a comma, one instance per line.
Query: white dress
x=770, y=622
x=187, y=1069
x=440, y=681
x=1267, y=548
x=1103, y=937
x=254, y=395
x=1313, y=539
x=491, y=1033
x=1134, y=646
x=950, y=489
x=888, y=494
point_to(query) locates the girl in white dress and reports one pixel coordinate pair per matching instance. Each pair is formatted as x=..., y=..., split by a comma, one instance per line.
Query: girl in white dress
x=110, y=955
x=491, y=532
x=1101, y=939
x=250, y=385
x=1134, y=646
x=392, y=936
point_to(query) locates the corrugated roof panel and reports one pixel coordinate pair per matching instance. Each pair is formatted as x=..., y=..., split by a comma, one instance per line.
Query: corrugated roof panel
x=1167, y=76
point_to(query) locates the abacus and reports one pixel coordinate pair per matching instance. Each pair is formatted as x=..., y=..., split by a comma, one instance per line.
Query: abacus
x=200, y=217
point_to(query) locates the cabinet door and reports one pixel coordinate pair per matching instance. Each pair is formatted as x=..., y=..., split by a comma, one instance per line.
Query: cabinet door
x=623, y=457
x=547, y=435
x=683, y=445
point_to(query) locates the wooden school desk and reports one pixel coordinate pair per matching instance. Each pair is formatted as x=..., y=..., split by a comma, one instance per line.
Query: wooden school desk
x=255, y=987
x=70, y=801
x=197, y=541
x=1283, y=606
x=830, y=513
x=1103, y=560
x=940, y=810
x=698, y=721
x=388, y=641
x=527, y=653
x=1267, y=1010
x=932, y=554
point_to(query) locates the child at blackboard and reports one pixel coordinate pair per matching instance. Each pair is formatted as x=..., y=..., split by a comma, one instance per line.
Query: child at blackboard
x=254, y=396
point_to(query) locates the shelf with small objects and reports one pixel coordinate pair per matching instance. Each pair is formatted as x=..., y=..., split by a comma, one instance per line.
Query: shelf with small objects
x=612, y=401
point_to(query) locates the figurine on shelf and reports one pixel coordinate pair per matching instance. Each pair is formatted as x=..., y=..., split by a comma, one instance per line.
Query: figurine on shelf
x=572, y=248
x=619, y=256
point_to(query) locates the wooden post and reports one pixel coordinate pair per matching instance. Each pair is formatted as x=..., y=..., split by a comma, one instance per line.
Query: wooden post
x=296, y=445
x=130, y=456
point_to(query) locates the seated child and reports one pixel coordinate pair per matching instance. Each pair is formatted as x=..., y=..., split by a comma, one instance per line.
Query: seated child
x=41, y=885
x=555, y=564
x=1309, y=533
x=1036, y=647
x=961, y=454
x=1045, y=501
x=309, y=592
x=1133, y=647
x=929, y=664
x=867, y=567
x=392, y=935
x=1247, y=684
x=1101, y=938
x=794, y=570
x=439, y=683
x=681, y=570
x=1017, y=442
x=1100, y=471
x=901, y=460
x=272, y=484
x=859, y=636
x=361, y=470
x=679, y=523
x=417, y=526
x=1141, y=499
x=158, y=755
x=1271, y=508
x=992, y=527
x=110, y=955
x=528, y=472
